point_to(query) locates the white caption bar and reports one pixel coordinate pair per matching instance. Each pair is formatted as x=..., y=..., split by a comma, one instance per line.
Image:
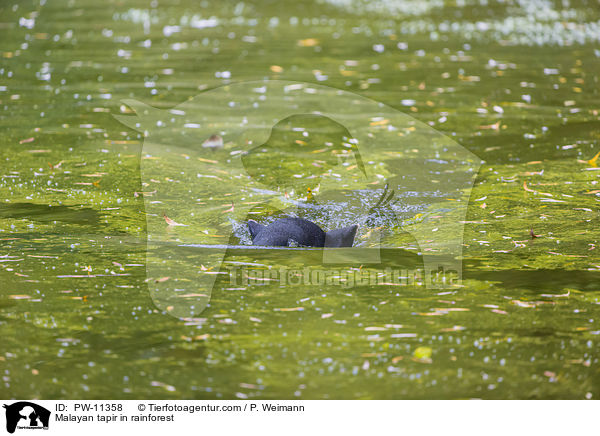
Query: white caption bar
x=298, y=417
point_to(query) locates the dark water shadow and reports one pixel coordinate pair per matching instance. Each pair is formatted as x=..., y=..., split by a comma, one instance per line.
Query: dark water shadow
x=47, y=214
x=549, y=281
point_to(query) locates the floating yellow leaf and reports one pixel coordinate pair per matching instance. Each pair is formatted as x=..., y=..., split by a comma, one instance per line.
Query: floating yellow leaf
x=379, y=122
x=423, y=354
x=594, y=161
x=201, y=159
x=308, y=42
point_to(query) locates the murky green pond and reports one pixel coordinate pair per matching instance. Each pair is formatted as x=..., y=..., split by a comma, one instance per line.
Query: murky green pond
x=101, y=298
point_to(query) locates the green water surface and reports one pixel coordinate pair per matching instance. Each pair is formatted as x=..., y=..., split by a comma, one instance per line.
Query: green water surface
x=514, y=82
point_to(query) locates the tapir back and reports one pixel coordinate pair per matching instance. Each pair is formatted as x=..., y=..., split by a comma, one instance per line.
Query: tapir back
x=280, y=232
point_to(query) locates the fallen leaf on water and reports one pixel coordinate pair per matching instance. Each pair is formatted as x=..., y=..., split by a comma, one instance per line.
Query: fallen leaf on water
x=455, y=328
x=534, y=173
x=579, y=362
x=57, y=166
x=500, y=312
x=594, y=161
x=422, y=352
x=379, y=122
x=201, y=159
x=452, y=309
x=495, y=126
x=522, y=303
x=526, y=188
x=437, y=313
x=309, y=42
x=163, y=385
x=397, y=359
x=276, y=69
x=556, y=296
x=288, y=309
x=170, y=222
x=423, y=355
x=371, y=354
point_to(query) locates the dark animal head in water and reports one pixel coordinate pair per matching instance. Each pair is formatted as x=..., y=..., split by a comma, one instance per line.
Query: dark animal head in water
x=287, y=231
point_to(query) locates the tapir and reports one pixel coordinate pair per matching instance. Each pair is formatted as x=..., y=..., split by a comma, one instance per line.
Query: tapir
x=289, y=231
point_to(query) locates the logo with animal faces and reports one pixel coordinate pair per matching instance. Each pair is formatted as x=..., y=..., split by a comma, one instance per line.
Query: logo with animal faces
x=225, y=164
x=26, y=415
